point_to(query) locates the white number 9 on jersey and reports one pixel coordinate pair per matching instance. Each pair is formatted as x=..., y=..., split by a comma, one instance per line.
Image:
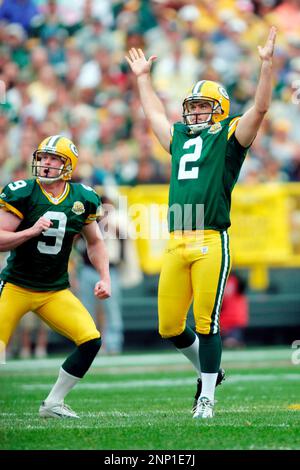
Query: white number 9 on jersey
x=58, y=233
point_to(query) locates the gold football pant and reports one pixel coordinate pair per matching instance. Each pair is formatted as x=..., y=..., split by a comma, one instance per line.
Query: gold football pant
x=61, y=310
x=195, y=267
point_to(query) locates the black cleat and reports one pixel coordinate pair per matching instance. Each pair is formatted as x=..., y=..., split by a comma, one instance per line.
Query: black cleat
x=220, y=379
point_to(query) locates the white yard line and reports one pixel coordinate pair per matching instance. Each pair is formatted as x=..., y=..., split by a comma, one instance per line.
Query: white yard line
x=251, y=356
x=167, y=382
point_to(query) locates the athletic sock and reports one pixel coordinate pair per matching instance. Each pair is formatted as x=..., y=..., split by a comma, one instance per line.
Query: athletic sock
x=188, y=344
x=210, y=349
x=73, y=369
x=65, y=382
x=208, y=385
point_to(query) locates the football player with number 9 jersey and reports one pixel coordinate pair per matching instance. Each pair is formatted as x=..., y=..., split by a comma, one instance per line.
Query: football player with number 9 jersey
x=39, y=219
x=207, y=151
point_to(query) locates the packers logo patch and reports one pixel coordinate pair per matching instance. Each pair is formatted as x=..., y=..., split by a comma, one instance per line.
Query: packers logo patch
x=215, y=128
x=78, y=208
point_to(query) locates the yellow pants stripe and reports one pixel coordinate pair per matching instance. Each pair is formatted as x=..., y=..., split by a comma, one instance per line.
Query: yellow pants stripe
x=225, y=268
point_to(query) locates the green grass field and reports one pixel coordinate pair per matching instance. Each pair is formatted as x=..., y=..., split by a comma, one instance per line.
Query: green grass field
x=144, y=401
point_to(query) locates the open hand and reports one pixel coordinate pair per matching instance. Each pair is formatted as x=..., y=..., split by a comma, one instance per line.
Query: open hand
x=266, y=52
x=138, y=62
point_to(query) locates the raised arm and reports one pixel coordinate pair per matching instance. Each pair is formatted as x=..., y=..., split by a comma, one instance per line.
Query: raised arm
x=250, y=122
x=152, y=105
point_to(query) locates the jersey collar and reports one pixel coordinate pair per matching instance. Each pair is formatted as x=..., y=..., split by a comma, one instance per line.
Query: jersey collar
x=55, y=200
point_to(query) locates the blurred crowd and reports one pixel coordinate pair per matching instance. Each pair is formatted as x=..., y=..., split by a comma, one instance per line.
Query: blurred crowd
x=62, y=71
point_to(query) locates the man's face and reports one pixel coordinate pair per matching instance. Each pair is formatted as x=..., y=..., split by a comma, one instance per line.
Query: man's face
x=50, y=165
x=201, y=109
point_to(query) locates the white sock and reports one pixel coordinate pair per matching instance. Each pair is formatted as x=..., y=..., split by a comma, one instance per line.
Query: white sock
x=192, y=353
x=62, y=386
x=208, y=385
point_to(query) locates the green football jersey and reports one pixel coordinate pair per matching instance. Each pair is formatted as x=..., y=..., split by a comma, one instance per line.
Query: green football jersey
x=41, y=263
x=205, y=168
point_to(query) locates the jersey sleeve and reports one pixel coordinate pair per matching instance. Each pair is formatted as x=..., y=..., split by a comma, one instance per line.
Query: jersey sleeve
x=232, y=126
x=14, y=198
x=235, y=152
x=94, y=208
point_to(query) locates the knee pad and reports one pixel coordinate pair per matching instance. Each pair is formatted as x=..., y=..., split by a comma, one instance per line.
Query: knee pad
x=79, y=361
x=91, y=347
x=184, y=339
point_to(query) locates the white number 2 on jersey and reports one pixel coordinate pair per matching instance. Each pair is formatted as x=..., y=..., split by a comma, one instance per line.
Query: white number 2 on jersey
x=192, y=174
x=58, y=233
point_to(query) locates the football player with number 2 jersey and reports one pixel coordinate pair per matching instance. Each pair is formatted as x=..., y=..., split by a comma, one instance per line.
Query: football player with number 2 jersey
x=39, y=219
x=207, y=151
